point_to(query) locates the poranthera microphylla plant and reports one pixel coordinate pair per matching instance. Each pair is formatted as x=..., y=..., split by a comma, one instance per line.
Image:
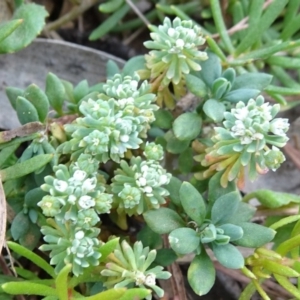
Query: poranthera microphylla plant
x=127, y=156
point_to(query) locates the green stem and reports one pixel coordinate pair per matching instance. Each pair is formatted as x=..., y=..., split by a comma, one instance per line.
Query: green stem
x=219, y=21
x=71, y=15
x=248, y=197
x=285, y=221
x=288, y=245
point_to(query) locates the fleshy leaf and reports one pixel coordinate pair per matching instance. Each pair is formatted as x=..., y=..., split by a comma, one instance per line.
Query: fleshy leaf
x=184, y=240
x=192, y=202
x=257, y=81
x=163, y=220
x=255, y=235
x=214, y=109
x=201, y=274
x=196, y=85
x=187, y=126
x=224, y=208
x=33, y=17
x=228, y=256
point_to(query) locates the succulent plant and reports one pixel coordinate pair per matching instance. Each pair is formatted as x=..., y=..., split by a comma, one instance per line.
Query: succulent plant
x=129, y=266
x=248, y=130
x=139, y=186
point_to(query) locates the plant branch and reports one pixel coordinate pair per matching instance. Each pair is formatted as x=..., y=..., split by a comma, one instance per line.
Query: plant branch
x=138, y=12
x=71, y=15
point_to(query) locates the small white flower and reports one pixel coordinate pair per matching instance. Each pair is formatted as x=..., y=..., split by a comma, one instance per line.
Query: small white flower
x=163, y=179
x=240, y=113
x=60, y=185
x=79, y=235
x=72, y=199
x=180, y=43
x=279, y=126
x=148, y=189
x=150, y=279
x=79, y=175
x=141, y=181
x=139, y=278
x=124, y=138
x=86, y=202
x=89, y=184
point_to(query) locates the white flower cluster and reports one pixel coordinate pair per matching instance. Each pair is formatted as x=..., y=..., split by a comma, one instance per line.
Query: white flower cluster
x=115, y=123
x=254, y=126
x=75, y=189
x=175, y=49
x=140, y=186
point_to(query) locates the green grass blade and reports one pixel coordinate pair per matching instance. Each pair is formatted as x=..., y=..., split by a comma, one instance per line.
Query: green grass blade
x=40, y=262
x=219, y=21
x=291, y=12
x=284, y=77
x=109, y=23
x=24, y=168
x=266, y=20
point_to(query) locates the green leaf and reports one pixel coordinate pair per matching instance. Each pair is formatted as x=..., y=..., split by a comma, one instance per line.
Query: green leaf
x=34, y=196
x=38, y=99
x=287, y=285
x=32, y=237
x=28, y=288
x=19, y=226
x=68, y=90
x=26, y=167
x=192, y=202
x=110, y=6
x=164, y=257
x=109, y=294
x=135, y=293
x=109, y=23
x=184, y=240
x=254, y=235
x=8, y=28
x=175, y=145
x=196, y=85
x=224, y=208
x=228, y=256
x=215, y=190
x=111, y=68
x=173, y=188
x=61, y=282
x=133, y=65
x=211, y=69
x=26, y=112
x=241, y=95
x=40, y=262
x=186, y=161
x=244, y=213
x=108, y=248
x=81, y=90
x=255, y=32
x=163, y=119
x=55, y=92
x=201, y=274
x=220, y=87
x=149, y=238
x=187, y=126
x=214, y=109
x=13, y=93
x=230, y=75
x=233, y=231
x=273, y=199
x=257, y=81
x=163, y=220
x=7, y=152
x=33, y=17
